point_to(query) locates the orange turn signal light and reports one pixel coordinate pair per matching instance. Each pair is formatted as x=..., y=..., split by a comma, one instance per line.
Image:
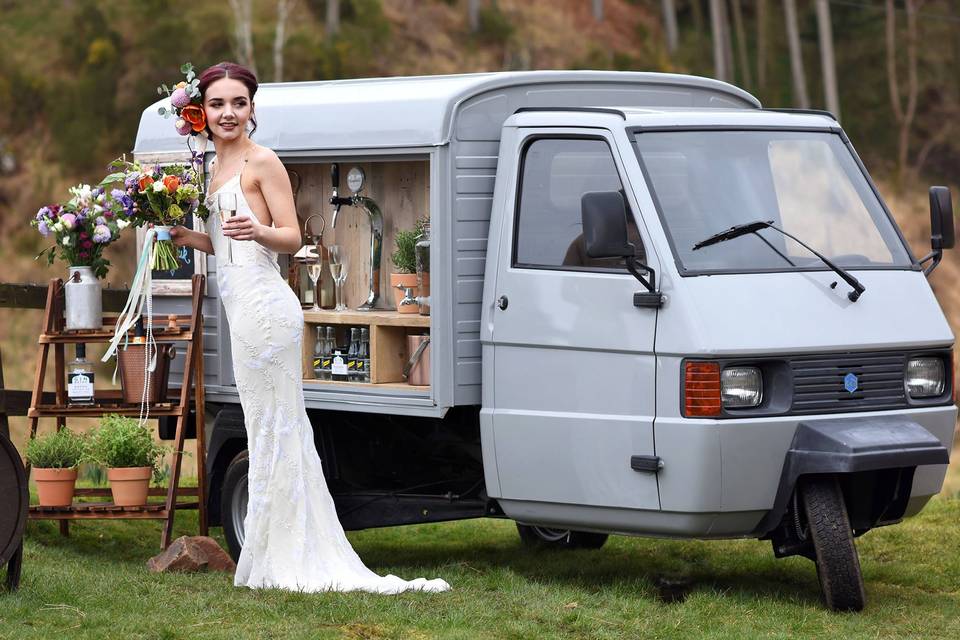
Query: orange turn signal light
x=701, y=383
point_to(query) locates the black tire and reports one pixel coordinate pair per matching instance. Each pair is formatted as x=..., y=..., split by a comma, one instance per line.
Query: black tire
x=14, y=566
x=838, y=565
x=233, y=502
x=548, y=538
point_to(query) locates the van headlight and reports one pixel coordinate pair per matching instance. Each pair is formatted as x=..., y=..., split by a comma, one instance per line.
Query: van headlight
x=741, y=387
x=924, y=377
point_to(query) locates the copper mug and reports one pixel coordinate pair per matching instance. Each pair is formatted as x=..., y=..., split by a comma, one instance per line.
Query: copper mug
x=417, y=369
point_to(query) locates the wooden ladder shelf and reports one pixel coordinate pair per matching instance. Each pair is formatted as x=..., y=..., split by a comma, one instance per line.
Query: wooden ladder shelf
x=111, y=401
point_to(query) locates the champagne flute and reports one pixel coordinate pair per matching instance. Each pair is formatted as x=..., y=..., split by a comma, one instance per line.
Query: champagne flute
x=227, y=203
x=338, y=269
x=315, y=269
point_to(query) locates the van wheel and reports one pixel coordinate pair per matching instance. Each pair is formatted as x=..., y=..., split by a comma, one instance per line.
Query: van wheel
x=547, y=538
x=233, y=502
x=838, y=565
x=13, y=568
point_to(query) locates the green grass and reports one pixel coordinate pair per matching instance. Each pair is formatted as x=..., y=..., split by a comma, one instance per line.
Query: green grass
x=94, y=584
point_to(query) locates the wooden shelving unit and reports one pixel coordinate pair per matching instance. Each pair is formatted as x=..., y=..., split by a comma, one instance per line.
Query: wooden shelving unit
x=189, y=331
x=388, y=348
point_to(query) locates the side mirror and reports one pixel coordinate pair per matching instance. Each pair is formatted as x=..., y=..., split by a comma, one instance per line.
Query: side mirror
x=942, y=234
x=604, y=219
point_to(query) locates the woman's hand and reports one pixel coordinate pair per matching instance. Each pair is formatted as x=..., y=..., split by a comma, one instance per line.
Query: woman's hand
x=242, y=227
x=180, y=235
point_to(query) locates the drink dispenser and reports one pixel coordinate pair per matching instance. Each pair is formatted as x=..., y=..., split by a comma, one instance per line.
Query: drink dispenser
x=422, y=252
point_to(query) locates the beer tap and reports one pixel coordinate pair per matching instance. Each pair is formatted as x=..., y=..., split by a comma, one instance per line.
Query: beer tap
x=355, y=181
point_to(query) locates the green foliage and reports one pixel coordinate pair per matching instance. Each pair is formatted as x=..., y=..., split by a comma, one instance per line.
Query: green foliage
x=120, y=441
x=404, y=257
x=495, y=27
x=62, y=449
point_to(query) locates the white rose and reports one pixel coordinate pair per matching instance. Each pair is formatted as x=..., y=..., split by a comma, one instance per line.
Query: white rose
x=97, y=209
x=122, y=224
x=158, y=187
x=57, y=227
x=66, y=241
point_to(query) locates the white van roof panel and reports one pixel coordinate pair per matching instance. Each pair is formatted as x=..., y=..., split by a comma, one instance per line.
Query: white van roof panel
x=395, y=112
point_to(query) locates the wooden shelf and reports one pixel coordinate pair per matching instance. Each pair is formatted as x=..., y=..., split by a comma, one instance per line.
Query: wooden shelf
x=99, y=510
x=385, y=318
x=107, y=336
x=379, y=385
x=53, y=411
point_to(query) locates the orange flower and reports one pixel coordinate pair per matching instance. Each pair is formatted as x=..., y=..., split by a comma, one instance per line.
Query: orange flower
x=171, y=183
x=145, y=182
x=193, y=113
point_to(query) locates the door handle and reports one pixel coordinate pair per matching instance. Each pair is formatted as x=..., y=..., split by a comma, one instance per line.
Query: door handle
x=502, y=302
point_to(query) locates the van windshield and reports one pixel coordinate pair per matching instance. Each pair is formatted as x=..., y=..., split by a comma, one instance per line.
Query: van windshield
x=806, y=183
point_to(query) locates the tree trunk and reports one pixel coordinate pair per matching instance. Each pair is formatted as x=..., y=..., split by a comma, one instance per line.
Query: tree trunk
x=741, y=44
x=598, y=10
x=473, y=15
x=827, y=60
x=761, y=44
x=284, y=7
x=904, y=117
x=717, y=28
x=670, y=25
x=333, y=18
x=800, y=98
x=243, y=32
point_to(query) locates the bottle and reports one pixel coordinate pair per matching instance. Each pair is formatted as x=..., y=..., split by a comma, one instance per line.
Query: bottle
x=318, y=351
x=338, y=362
x=329, y=346
x=80, y=378
x=422, y=254
x=352, y=352
x=363, y=356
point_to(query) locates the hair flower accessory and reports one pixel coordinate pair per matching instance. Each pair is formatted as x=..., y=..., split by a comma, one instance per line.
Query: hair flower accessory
x=185, y=103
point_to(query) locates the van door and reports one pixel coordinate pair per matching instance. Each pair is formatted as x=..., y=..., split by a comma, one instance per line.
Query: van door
x=573, y=358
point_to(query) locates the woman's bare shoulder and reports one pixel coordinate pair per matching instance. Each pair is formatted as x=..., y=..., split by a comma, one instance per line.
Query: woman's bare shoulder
x=264, y=160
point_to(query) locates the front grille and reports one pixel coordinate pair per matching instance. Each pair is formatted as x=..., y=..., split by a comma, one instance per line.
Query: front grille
x=818, y=382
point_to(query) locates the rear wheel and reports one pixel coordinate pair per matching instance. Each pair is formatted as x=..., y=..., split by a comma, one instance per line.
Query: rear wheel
x=838, y=565
x=13, y=569
x=233, y=502
x=546, y=537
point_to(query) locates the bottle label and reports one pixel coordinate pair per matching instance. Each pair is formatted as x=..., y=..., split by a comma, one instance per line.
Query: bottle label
x=339, y=367
x=325, y=363
x=80, y=386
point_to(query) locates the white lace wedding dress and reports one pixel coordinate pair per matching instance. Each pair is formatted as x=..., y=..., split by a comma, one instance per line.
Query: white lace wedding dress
x=293, y=538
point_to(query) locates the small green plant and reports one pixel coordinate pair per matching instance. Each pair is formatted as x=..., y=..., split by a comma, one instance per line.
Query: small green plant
x=63, y=449
x=120, y=441
x=405, y=256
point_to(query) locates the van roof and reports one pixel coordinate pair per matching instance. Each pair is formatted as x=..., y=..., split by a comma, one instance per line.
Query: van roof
x=414, y=111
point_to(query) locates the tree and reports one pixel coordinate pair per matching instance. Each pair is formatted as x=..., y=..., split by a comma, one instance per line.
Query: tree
x=598, y=10
x=243, y=34
x=903, y=116
x=333, y=18
x=719, y=29
x=284, y=7
x=800, y=97
x=741, y=44
x=761, y=44
x=827, y=60
x=670, y=25
x=473, y=15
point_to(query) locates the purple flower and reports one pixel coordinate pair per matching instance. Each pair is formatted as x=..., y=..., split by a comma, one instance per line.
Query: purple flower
x=69, y=220
x=100, y=220
x=43, y=229
x=130, y=182
x=101, y=234
x=116, y=194
x=179, y=99
x=43, y=213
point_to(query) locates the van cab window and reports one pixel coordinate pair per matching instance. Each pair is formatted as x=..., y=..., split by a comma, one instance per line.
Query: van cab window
x=807, y=182
x=554, y=176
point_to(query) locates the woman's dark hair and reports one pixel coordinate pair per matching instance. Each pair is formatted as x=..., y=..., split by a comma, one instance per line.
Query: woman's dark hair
x=229, y=70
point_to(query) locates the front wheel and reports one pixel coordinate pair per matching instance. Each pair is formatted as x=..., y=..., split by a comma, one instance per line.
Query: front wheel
x=233, y=502
x=545, y=537
x=838, y=565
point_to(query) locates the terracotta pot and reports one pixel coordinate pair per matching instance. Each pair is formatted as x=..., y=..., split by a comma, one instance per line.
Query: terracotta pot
x=129, y=485
x=55, y=486
x=398, y=280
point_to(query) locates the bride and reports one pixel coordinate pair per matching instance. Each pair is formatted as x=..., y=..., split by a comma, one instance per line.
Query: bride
x=293, y=538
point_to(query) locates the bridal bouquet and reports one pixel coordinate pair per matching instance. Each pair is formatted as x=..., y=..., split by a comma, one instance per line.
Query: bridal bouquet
x=159, y=195
x=81, y=228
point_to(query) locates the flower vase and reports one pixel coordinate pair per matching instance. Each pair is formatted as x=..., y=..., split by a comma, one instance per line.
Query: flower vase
x=84, y=300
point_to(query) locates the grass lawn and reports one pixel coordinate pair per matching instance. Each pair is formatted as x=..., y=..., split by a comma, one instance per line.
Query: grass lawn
x=94, y=584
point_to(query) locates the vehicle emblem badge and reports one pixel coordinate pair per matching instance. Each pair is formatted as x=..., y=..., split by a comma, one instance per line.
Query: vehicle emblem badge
x=850, y=382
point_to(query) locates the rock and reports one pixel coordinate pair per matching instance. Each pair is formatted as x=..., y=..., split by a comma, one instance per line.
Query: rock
x=192, y=553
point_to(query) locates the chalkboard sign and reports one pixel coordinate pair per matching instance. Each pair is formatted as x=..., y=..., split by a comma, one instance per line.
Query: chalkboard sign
x=186, y=258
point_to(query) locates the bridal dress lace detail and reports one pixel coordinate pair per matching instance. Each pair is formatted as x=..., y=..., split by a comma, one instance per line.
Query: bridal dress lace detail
x=293, y=538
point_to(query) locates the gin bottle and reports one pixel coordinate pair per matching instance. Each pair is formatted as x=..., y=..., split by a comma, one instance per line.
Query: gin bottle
x=80, y=378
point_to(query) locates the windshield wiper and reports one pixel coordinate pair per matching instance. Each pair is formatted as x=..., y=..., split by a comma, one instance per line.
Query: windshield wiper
x=752, y=227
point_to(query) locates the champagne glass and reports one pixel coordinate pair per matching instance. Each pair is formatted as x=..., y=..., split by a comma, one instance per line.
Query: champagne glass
x=315, y=269
x=227, y=203
x=338, y=269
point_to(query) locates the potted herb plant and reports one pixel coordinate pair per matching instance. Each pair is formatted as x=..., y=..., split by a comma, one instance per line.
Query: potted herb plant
x=404, y=260
x=128, y=451
x=54, y=459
